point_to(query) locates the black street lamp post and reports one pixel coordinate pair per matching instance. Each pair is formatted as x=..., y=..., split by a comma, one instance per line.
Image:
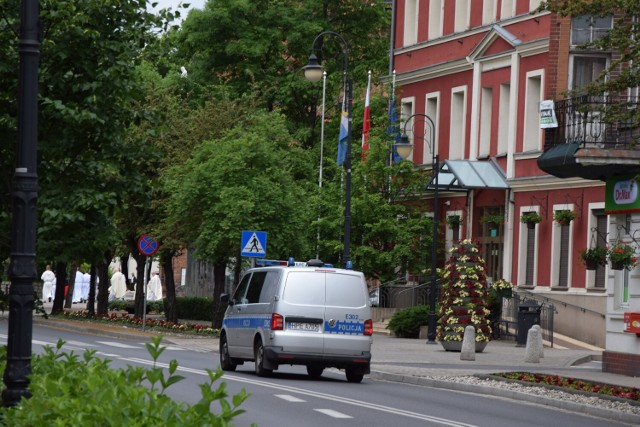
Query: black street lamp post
x=22, y=269
x=313, y=72
x=435, y=165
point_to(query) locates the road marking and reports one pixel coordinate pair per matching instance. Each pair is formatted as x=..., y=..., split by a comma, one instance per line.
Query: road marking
x=332, y=413
x=289, y=398
x=311, y=393
x=117, y=344
x=79, y=344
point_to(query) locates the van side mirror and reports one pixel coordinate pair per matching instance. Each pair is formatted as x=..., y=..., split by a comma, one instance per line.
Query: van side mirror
x=225, y=299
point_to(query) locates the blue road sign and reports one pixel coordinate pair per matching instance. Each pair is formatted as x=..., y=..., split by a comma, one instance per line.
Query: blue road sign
x=147, y=245
x=254, y=244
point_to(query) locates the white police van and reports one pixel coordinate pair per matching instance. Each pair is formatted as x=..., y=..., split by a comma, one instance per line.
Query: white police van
x=313, y=315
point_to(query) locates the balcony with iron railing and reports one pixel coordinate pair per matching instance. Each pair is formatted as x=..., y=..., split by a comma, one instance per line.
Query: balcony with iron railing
x=596, y=137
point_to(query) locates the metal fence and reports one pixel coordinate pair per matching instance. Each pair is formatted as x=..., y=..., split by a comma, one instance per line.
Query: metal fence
x=511, y=308
x=403, y=294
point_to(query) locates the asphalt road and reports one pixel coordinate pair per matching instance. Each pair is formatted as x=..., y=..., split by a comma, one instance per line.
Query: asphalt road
x=291, y=398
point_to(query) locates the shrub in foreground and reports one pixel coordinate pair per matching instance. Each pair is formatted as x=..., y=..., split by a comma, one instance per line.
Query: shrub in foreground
x=68, y=390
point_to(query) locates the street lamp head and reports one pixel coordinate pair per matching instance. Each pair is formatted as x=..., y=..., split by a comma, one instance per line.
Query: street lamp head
x=313, y=71
x=404, y=147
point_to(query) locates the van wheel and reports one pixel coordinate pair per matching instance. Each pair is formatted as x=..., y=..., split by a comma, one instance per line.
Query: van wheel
x=315, y=371
x=225, y=360
x=354, y=375
x=258, y=352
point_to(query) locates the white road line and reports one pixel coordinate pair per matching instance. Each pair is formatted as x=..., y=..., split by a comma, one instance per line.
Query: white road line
x=316, y=394
x=79, y=344
x=289, y=398
x=332, y=413
x=117, y=344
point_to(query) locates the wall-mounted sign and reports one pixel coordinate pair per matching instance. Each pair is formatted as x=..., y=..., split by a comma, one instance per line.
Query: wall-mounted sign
x=622, y=195
x=547, y=115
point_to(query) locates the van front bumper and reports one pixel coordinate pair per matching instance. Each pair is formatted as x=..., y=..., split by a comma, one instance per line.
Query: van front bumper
x=277, y=356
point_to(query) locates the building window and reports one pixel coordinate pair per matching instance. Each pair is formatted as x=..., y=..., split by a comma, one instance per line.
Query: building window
x=528, y=252
x=462, y=16
x=589, y=28
x=488, y=12
x=503, y=118
x=586, y=69
x=432, y=111
x=486, y=109
x=561, y=252
x=457, y=125
x=406, y=111
x=435, y=19
x=534, y=4
x=506, y=11
x=410, y=22
x=533, y=96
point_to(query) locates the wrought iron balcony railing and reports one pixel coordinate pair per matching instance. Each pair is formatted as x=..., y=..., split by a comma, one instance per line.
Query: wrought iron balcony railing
x=607, y=122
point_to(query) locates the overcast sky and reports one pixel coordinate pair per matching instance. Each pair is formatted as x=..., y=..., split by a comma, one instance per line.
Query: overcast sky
x=193, y=4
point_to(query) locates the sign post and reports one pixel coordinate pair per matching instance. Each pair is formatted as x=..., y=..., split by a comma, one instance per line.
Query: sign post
x=148, y=246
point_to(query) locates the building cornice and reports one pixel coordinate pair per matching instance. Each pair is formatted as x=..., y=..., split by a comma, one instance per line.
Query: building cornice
x=548, y=182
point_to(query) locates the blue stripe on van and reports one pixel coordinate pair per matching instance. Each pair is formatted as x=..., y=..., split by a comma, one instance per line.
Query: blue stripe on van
x=248, y=322
x=345, y=328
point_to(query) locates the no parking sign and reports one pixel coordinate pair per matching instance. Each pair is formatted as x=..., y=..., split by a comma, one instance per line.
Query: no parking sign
x=147, y=245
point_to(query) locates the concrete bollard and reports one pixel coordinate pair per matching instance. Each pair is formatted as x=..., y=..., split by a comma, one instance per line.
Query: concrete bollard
x=540, y=344
x=468, y=351
x=534, y=340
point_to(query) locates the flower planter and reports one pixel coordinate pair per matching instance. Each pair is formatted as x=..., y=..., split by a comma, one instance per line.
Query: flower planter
x=531, y=225
x=457, y=345
x=617, y=265
x=591, y=264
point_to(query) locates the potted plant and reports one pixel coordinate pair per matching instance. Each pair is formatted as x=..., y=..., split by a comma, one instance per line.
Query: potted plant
x=464, y=303
x=594, y=257
x=564, y=216
x=493, y=220
x=530, y=218
x=622, y=256
x=454, y=221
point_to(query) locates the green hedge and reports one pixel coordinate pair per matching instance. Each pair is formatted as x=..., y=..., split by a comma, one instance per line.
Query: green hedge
x=194, y=308
x=406, y=323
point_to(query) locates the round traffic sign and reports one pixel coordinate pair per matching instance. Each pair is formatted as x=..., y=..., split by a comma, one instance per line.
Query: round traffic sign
x=147, y=245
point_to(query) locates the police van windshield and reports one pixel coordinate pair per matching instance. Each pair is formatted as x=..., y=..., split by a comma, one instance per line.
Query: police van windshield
x=332, y=289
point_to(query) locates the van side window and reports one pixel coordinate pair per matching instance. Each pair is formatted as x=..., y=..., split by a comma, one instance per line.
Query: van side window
x=238, y=295
x=255, y=286
x=270, y=287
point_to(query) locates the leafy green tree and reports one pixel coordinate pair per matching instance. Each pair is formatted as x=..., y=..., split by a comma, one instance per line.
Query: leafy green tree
x=253, y=177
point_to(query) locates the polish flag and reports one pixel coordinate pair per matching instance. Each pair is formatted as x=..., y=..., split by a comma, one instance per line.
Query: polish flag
x=366, y=123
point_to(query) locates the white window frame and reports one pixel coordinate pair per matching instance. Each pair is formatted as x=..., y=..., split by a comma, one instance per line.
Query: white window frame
x=436, y=14
x=462, y=15
x=555, y=248
x=594, y=32
x=432, y=109
x=507, y=9
x=407, y=109
x=522, y=248
x=486, y=115
x=590, y=277
x=572, y=58
x=410, y=35
x=489, y=11
x=458, y=124
x=534, y=4
x=532, y=133
x=503, y=118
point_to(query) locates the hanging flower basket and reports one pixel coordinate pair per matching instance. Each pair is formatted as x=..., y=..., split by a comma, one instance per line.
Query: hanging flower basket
x=594, y=257
x=531, y=219
x=454, y=221
x=493, y=221
x=564, y=217
x=622, y=256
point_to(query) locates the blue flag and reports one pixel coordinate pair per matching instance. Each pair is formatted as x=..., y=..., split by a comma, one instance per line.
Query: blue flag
x=392, y=130
x=344, y=134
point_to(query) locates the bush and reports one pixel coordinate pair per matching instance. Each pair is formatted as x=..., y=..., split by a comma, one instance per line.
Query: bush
x=134, y=396
x=406, y=323
x=194, y=308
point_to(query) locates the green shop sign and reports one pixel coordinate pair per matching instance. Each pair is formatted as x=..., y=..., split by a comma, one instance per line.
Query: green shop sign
x=622, y=195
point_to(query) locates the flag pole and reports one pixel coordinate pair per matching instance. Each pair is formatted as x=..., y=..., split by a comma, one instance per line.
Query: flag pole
x=324, y=92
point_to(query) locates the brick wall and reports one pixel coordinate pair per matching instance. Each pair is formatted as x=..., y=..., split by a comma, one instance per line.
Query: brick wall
x=621, y=363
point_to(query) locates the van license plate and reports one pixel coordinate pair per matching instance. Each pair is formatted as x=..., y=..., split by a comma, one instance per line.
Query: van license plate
x=299, y=326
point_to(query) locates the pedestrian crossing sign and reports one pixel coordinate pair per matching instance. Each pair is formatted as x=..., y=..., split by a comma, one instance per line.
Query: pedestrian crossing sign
x=254, y=244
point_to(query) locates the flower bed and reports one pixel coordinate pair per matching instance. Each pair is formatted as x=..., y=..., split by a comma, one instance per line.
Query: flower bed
x=150, y=322
x=572, y=384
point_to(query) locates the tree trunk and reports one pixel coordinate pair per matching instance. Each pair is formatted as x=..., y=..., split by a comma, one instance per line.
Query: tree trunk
x=61, y=281
x=103, y=286
x=91, y=306
x=170, y=306
x=72, y=282
x=219, y=279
